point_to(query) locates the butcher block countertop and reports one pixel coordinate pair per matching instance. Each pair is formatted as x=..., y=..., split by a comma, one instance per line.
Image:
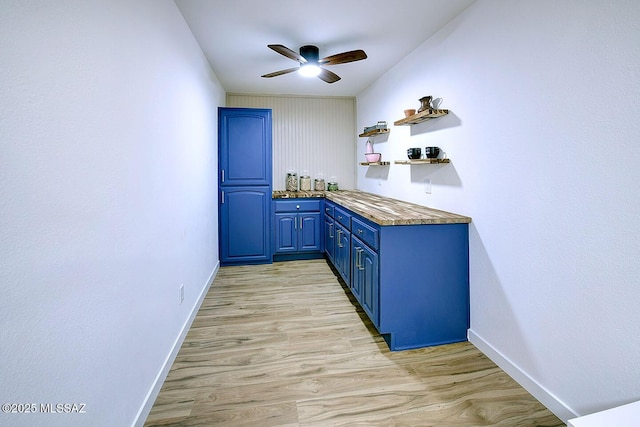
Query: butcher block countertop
x=379, y=209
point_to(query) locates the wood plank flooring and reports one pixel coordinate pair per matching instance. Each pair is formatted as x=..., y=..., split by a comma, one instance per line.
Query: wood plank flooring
x=285, y=345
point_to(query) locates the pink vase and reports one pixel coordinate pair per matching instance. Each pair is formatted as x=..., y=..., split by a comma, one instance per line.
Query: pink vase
x=369, y=147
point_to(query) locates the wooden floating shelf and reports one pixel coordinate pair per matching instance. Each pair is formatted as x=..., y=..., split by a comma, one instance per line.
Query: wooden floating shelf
x=375, y=163
x=421, y=117
x=374, y=132
x=421, y=161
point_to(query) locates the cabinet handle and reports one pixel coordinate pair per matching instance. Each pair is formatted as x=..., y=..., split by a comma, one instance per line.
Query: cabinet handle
x=301, y=223
x=360, y=231
x=331, y=231
x=222, y=175
x=359, y=264
x=338, y=233
x=295, y=223
x=222, y=198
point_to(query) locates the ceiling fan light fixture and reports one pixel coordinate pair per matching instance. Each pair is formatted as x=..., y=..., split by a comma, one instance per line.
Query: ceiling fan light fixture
x=309, y=70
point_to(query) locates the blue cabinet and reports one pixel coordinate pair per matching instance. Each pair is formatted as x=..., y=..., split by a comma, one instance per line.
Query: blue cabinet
x=342, y=252
x=297, y=229
x=244, y=155
x=244, y=146
x=364, y=277
x=245, y=240
x=412, y=281
x=329, y=237
x=329, y=231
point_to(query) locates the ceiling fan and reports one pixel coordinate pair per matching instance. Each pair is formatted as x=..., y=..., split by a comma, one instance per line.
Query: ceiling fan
x=310, y=64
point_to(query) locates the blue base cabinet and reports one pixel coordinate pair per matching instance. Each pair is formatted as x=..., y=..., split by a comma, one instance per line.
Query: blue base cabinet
x=297, y=229
x=412, y=281
x=424, y=285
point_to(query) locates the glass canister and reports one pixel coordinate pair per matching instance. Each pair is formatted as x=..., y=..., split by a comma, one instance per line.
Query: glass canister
x=292, y=181
x=333, y=184
x=305, y=183
x=318, y=183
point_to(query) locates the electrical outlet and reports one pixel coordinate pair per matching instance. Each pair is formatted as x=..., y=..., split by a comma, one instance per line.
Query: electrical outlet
x=181, y=293
x=427, y=185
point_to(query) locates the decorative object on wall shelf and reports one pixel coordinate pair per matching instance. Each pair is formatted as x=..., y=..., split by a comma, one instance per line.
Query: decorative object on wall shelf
x=431, y=152
x=373, y=157
x=414, y=153
x=425, y=103
x=421, y=161
x=410, y=112
x=379, y=129
x=369, y=147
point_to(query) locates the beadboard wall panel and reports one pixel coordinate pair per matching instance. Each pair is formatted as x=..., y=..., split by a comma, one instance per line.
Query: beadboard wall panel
x=316, y=134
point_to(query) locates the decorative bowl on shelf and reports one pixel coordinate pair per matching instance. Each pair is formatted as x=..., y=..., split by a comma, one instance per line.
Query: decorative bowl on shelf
x=373, y=157
x=409, y=113
x=414, y=153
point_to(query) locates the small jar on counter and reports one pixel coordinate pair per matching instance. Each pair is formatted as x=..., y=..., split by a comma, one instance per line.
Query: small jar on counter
x=333, y=184
x=292, y=181
x=305, y=183
x=318, y=183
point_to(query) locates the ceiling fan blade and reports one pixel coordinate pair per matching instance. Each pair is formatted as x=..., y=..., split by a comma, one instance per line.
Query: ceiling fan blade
x=283, y=50
x=328, y=76
x=344, y=57
x=281, y=72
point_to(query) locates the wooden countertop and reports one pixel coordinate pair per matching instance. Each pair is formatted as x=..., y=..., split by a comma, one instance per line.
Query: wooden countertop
x=381, y=210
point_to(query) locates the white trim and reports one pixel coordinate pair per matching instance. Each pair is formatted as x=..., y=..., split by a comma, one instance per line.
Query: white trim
x=150, y=399
x=548, y=399
x=620, y=416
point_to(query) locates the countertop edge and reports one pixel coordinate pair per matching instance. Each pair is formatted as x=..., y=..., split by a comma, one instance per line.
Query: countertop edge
x=419, y=215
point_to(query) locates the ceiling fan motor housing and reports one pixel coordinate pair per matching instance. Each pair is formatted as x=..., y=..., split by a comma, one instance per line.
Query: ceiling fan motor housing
x=310, y=53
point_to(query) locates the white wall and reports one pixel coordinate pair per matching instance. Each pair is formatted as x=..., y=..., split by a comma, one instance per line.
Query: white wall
x=543, y=135
x=315, y=134
x=107, y=201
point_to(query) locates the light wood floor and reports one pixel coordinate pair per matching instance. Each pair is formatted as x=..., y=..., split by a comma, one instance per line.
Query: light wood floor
x=284, y=345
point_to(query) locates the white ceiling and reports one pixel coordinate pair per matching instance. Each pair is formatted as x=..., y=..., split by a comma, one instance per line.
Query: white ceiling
x=234, y=35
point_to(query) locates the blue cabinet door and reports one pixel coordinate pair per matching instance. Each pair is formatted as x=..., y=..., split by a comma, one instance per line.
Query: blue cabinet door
x=286, y=234
x=329, y=237
x=365, y=285
x=245, y=146
x=309, y=231
x=370, y=284
x=343, y=252
x=245, y=224
x=356, y=272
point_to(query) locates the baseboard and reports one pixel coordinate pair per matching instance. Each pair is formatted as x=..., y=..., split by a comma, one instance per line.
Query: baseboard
x=538, y=391
x=149, y=400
